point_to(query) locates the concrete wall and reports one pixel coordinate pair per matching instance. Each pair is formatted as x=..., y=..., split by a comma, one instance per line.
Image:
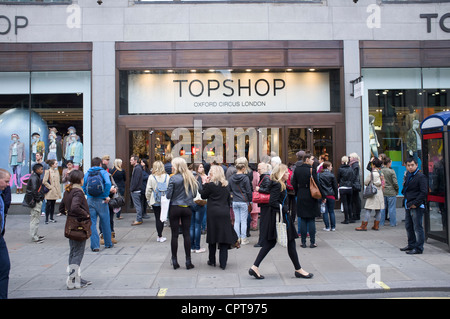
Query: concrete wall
x=123, y=20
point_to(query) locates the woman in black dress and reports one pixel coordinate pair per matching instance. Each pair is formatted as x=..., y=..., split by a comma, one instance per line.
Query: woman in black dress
x=220, y=231
x=278, y=196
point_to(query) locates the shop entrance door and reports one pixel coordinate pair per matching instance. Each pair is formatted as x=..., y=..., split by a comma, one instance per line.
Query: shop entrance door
x=317, y=140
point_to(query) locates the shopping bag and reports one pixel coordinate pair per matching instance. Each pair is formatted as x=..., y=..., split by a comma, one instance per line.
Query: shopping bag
x=165, y=202
x=281, y=230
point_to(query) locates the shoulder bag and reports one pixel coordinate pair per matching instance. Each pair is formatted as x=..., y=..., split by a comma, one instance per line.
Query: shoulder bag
x=315, y=192
x=260, y=198
x=371, y=189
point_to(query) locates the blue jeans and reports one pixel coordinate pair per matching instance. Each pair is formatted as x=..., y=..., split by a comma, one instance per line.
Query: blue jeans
x=389, y=203
x=198, y=212
x=99, y=209
x=136, y=197
x=414, y=227
x=329, y=210
x=240, y=219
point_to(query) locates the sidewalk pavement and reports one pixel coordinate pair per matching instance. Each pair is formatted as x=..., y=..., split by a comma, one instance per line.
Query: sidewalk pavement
x=345, y=261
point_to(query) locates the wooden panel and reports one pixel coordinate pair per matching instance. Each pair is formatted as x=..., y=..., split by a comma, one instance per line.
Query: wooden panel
x=134, y=60
x=258, y=58
x=436, y=57
x=390, y=58
x=229, y=120
x=45, y=56
x=61, y=61
x=201, y=58
x=18, y=61
x=315, y=57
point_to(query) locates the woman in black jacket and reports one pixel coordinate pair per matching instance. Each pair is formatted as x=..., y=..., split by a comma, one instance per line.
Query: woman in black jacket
x=263, y=187
x=308, y=208
x=346, y=180
x=220, y=231
x=278, y=196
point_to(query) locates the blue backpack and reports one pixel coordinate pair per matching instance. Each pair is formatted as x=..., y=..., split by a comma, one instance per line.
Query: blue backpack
x=95, y=185
x=161, y=188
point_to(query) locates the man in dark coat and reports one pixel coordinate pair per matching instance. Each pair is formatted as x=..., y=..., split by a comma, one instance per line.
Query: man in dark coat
x=415, y=190
x=308, y=208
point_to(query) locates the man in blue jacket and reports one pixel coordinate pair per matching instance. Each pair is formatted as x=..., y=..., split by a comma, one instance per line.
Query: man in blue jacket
x=98, y=202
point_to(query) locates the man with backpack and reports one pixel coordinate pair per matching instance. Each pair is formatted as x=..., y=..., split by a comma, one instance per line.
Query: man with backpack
x=97, y=186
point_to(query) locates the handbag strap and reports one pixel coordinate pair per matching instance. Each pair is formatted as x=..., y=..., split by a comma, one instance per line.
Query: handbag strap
x=243, y=194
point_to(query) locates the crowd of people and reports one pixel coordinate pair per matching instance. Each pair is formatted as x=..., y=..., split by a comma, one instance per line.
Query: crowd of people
x=218, y=199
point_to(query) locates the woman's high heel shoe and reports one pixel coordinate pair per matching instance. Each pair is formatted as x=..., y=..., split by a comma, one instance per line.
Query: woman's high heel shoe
x=253, y=273
x=299, y=275
x=174, y=263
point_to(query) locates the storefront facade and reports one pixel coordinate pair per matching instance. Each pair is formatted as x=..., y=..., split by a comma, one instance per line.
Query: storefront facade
x=216, y=80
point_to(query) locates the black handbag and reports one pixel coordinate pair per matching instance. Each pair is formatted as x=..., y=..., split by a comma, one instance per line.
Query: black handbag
x=371, y=189
x=117, y=202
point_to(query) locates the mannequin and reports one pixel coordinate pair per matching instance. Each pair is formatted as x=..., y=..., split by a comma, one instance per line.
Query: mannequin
x=17, y=160
x=75, y=151
x=67, y=141
x=54, y=148
x=37, y=146
x=414, y=141
x=373, y=139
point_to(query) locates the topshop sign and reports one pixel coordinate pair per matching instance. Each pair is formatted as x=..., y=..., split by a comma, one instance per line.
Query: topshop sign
x=228, y=92
x=7, y=24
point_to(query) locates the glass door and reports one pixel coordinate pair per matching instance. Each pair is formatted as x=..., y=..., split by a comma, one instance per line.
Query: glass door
x=317, y=140
x=434, y=168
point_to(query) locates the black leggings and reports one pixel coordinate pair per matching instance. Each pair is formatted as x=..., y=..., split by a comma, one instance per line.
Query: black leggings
x=179, y=214
x=49, y=209
x=159, y=223
x=223, y=253
x=269, y=244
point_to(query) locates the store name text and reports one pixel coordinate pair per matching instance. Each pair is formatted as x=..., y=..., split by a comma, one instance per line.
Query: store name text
x=6, y=24
x=429, y=16
x=228, y=87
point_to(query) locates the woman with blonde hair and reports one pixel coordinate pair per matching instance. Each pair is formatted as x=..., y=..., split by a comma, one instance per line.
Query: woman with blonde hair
x=345, y=179
x=220, y=232
x=181, y=191
x=153, y=194
x=278, y=196
x=119, y=175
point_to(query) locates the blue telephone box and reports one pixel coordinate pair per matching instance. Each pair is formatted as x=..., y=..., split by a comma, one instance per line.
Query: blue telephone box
x=436, y=158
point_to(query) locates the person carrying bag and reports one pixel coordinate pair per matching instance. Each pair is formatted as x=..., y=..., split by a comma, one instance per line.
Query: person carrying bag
x=77, y=228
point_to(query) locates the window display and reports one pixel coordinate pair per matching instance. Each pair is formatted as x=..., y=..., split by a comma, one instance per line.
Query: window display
x=397, y=101
x=34, y=107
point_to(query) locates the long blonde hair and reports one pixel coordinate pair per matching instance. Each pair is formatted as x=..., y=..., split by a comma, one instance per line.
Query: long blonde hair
x=277, y=175
x=217, y=176
x=158, y=168
x=118, y=164
x=190, y=182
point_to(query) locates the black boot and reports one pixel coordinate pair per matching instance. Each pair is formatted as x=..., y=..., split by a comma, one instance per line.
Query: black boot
x=189, y=264
x=174, y=263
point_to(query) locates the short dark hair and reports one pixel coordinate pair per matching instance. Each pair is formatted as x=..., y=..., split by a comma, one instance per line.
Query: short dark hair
x=377, y=162
x=307, y=155
x=411, y=159
x=76, y=176
x=96, y=161
x=37, y=166
x=326, y=164
x=135, y=157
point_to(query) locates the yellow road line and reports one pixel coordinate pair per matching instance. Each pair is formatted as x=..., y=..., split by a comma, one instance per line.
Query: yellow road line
x=383, y=285
x=162, y=292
